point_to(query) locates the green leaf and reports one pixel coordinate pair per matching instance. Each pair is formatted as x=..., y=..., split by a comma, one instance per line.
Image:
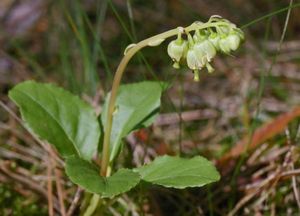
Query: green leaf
x=179, y=172
x=87, y=176
x=136, y=106
x=59, y=117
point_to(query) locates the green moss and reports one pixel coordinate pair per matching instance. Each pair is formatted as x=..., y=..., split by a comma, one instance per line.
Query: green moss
x=14, y=204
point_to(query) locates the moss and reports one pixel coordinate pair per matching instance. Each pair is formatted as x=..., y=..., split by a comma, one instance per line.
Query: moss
x=14, y=204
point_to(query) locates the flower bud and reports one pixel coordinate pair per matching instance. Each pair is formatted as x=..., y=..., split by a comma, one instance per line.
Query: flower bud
x=224, y=29
x=214, y=39
x=230, y=42
x=233, y=41
x=177, y=49
x=199, y=35
x=224, y=45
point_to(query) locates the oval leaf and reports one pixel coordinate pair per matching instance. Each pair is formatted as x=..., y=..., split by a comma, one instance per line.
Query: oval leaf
x=86, y=175
x=179, y=172
x=59, y=117
x=136, y=106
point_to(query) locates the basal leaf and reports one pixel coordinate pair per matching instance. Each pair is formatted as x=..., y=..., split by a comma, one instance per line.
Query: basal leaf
x=86, y=175
x=179, y=172
x=136, y=106
x=59, y=117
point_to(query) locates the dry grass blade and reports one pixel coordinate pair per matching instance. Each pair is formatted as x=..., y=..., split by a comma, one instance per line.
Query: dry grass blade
x=262, y=134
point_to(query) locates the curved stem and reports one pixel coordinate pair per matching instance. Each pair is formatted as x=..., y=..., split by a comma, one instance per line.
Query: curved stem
x=118, y=76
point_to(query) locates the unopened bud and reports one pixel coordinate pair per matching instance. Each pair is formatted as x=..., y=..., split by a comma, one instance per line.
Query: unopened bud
x=214, y=39
x=199, y=35
x=233, y=41
x=224, y=45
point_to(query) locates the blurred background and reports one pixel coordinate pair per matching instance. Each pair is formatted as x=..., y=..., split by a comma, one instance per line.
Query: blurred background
x=250, y=102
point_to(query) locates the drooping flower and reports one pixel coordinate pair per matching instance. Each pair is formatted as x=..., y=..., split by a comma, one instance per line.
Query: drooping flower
x=206, y=50
x=177, y=50
x=233, y=41
x=230, y=42
x=193, y=60
x=198, y=50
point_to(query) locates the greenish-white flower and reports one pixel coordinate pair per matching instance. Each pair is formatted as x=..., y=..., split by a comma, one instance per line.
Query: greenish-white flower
x=198, y=50
x=194, y=62
x=177, y=49
x=230, y=42
x=205, y=50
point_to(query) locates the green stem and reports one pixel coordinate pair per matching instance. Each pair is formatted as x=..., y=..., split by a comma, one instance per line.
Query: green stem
x=94, y=200
x=118, y=76
x=93, y=205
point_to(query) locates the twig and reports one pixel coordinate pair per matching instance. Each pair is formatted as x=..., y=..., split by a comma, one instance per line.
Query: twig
x=290, y=173
x=294, y=182
x=247, y=198
x=290, y=162
x=49, y=189
x=7, y=109
x=4, y=153
x=33, y=185
x=59, y=188
x=60, y=192
x=274, y=177
x=75, y=201
x=34, y=151
x=296, y=192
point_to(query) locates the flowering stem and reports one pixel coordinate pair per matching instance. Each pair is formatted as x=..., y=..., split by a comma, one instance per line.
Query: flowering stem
x=152, y=41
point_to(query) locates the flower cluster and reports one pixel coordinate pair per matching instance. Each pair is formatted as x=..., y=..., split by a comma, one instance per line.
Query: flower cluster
x=198, y=50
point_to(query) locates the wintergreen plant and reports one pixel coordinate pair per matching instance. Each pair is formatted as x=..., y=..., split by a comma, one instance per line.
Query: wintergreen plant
x=72, y=127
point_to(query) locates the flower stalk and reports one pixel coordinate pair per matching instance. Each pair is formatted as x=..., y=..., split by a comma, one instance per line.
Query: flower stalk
x=180, y=54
